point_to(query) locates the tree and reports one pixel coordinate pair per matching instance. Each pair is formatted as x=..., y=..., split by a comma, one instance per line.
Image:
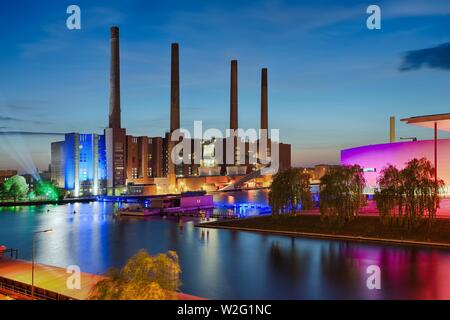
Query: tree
x=404, y=197
x=144, y=277
x=47, y=189
x=16, y=187
x=3, y=191
x=341, y=194
x=290, y=190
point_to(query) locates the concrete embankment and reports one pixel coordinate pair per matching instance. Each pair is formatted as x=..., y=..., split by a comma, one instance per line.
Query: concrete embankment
x=39, y=203
x=367, y=229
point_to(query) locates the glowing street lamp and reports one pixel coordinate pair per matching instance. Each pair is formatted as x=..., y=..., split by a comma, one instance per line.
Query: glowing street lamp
x=32, y=259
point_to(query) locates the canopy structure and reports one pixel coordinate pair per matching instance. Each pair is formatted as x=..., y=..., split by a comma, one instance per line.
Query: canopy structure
x=436, y=122
x=442, y=121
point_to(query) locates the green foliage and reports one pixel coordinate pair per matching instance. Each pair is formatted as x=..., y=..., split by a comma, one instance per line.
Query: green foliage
x=406, y=196
x=16, y=187
x=47, y=189
x=3, y=191
x=341, y=194
x=144, y=277
x=289, y=190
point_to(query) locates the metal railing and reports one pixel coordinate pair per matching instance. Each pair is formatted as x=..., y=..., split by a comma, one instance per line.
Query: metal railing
x=15, y=287
x=13, y=253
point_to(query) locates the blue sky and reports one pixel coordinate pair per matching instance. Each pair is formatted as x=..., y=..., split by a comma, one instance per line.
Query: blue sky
x=332, y=82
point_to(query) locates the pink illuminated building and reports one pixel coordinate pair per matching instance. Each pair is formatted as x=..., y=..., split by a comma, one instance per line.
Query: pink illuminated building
x=373, y=158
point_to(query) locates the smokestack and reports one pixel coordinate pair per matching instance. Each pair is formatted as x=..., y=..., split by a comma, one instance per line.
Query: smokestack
x=114, y=80
x=264, y=111
x=392, y=129
x=175, y=90
x=233, y=96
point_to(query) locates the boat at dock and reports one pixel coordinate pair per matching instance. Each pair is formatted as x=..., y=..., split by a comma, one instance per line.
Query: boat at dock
x=185, y=202
x=138, y=211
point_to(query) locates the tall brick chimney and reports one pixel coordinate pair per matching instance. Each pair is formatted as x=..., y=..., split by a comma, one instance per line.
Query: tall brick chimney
x=234, y=96
x=264, y=104
x=175, y=90
x=114, y=80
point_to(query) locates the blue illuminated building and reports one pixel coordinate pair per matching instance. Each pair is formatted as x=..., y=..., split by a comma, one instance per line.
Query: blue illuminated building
x=79, y=164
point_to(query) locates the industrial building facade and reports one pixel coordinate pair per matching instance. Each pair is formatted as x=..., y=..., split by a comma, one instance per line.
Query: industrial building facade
x=79, y=164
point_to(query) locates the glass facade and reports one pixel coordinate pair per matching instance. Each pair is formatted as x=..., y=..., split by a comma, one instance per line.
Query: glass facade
x=84, y=163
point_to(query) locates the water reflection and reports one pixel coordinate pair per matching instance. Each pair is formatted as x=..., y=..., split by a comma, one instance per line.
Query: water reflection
x=287, y=261
x=242, y=203
x=227, y=264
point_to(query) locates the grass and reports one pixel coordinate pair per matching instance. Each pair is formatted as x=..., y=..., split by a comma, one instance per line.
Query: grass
x=369, y=227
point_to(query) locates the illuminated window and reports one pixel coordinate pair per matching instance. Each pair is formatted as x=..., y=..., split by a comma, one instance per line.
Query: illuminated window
x=134, y=173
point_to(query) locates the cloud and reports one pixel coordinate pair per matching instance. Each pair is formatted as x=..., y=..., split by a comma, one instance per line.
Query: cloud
x=106, y=16
x=29, y=133
x=415, y=8
x=435, y=58
x=43, y=47
x=24, y=104
x=13, y=119
x=54, y=35
x=293, y=18
x=3, y=118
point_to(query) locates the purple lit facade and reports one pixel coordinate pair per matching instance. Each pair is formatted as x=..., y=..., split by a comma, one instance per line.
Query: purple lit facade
x=373, y=158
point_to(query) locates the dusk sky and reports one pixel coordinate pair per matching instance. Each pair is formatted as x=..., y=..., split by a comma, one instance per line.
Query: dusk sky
x=332, y=82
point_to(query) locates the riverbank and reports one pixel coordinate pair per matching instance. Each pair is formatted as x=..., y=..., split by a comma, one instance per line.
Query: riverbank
x=44, y=202
x=368, y=229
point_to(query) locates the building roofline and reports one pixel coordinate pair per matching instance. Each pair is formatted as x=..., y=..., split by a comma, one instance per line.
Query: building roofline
x=427, y=118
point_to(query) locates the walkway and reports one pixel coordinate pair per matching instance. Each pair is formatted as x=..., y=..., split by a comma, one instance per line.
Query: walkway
x=53, y=279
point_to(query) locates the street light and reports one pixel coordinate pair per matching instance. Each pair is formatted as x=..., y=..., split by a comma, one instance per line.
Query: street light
x=32, y=259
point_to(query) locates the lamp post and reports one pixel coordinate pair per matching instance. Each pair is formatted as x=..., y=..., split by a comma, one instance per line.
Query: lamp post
x=32, y=259
x=436, y=165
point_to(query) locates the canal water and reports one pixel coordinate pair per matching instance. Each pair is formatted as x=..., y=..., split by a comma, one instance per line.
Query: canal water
x=222, y=264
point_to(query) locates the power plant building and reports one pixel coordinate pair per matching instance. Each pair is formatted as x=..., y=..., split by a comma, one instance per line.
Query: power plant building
x=116, y=163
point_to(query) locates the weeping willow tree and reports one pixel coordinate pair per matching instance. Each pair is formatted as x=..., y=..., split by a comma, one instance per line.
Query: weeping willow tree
x=389, y=195
x=405, y=197
x=144, y=277
x=341, y=194
x=290, y=192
